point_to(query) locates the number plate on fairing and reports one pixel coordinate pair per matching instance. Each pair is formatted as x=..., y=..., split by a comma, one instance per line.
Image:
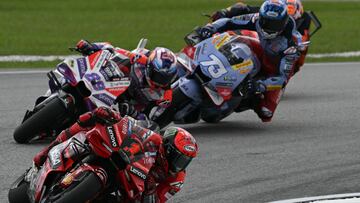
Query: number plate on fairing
x=224, y=76
x=91, y=70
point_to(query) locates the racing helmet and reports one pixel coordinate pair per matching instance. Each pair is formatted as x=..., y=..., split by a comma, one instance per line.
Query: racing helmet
x=180, y=148
x=273, y=18
x=295, y=8
x=161, y=67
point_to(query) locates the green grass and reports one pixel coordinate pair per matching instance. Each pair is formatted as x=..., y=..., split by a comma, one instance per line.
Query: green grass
x=43, y=27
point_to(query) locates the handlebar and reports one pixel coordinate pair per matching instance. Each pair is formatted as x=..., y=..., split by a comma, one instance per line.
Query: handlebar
x=193, y=37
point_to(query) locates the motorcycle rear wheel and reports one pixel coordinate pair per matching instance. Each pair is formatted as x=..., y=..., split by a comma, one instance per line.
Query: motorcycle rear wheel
x=40, y=121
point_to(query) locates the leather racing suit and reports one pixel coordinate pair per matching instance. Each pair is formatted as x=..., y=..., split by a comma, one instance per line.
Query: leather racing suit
x=278, y=61
x=160, y=184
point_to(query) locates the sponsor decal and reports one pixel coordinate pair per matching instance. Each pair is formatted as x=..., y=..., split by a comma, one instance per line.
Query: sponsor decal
x=121, y=83
x=116, y=91
x=222, y=41
x=272, y=14
x=138, y=172
x=124, y=126
x=67, y=180
x=93, y=59
x=243, y=67
x=55, y=157
x=150, y=154
x=130, y=126
x=189, y=148
x=112, y=136
x=230, y=78
x=103, y=73
x=225, y=92
x=224, y=84
x=146, y=135
x=81, y=63
x=244, y=64
x=216, y=39
x=104, y=56
x=104, y=98
x=177, y=184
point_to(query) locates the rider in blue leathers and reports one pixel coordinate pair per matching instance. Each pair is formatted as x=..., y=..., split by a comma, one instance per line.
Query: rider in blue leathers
x=279, y=39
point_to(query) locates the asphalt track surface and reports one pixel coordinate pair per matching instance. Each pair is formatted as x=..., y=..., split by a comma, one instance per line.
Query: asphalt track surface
x=311, y=148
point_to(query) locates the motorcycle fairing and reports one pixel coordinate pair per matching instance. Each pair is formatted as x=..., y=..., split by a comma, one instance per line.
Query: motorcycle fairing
x=60, y=158
x=216, y=66
x=190, y=88
x=91, y=70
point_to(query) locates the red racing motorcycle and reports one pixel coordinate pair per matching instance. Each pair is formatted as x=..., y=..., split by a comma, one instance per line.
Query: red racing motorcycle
x=86, y=167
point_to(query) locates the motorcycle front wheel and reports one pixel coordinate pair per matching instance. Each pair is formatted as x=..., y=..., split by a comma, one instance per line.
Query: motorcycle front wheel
x=52, y=113
x=19, y=194
x=85, y=190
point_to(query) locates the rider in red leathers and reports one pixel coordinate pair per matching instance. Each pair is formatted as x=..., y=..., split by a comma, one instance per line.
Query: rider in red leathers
x=169, y=154
x=151, y=74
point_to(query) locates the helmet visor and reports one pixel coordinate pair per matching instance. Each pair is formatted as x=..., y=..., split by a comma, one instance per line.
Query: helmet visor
x=160, y=78
x=272, y=26
x=177, y=160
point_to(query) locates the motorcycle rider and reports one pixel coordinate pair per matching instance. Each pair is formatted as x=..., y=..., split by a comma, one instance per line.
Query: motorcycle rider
x=151, y=74
x=295, y=10
x=276, y=31
x=170, y=153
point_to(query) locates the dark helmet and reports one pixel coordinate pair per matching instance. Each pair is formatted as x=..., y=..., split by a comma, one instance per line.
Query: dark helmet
x=273, y=18
x=161, y=67
x=180, y=148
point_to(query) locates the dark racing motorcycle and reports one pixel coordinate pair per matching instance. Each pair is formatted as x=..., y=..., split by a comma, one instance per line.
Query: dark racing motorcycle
x=86, y=167
x=76, y=86
x=218, y=70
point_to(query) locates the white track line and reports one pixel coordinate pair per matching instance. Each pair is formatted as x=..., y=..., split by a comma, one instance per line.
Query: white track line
x=33, y=58
x=341, y=55
x=23, y=72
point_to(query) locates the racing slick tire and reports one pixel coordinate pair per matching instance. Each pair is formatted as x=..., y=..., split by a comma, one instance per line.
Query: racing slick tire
x=41, y=120
x=19, y=194
x=84, y=191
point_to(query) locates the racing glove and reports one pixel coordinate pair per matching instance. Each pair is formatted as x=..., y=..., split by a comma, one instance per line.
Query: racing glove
x=102, y=115
x=85, y=47
x=206, y=32
x=254, y=87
